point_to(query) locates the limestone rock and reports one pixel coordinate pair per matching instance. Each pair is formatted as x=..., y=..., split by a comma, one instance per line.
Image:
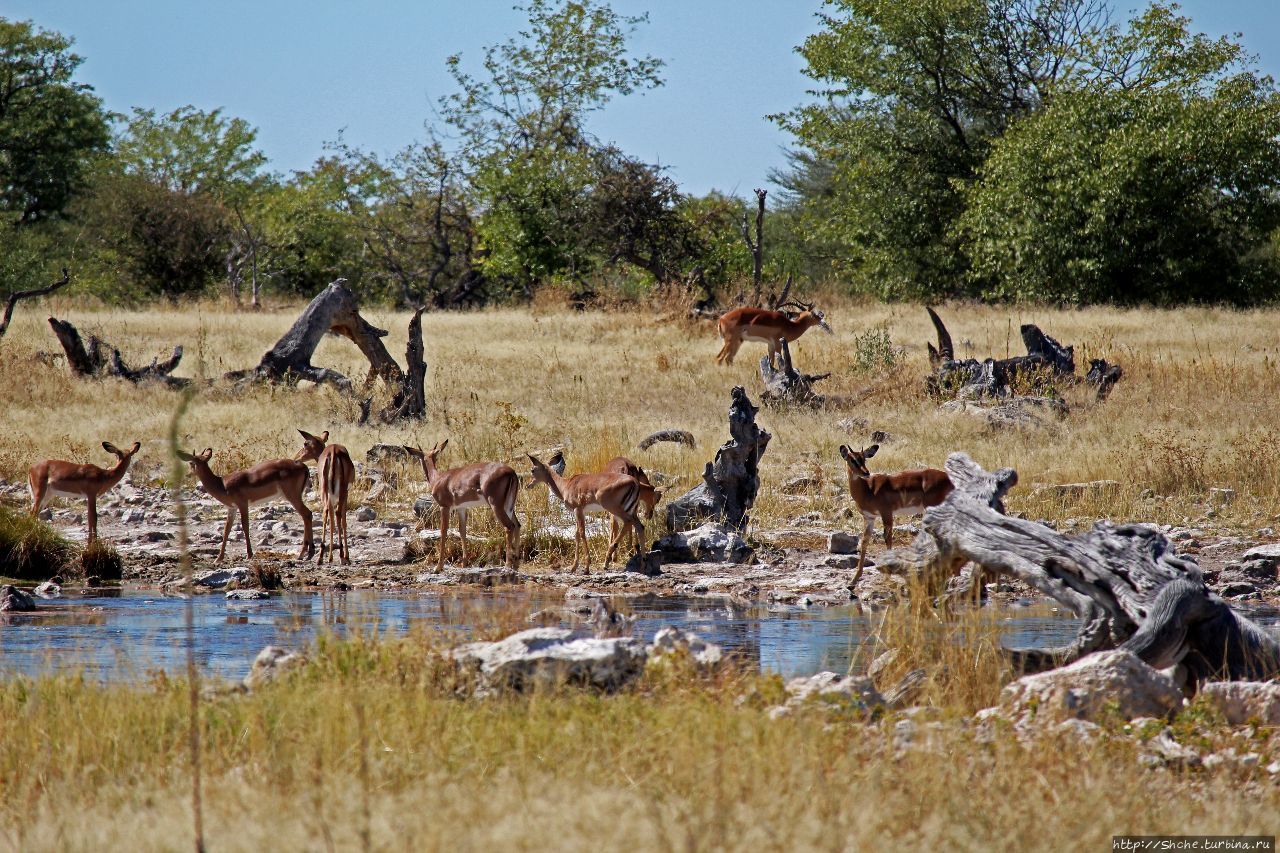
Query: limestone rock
x=366, y=513
x=48, y=589
x=710, y=543
x=840, y=542
x=549, y=657
x=832, y=691
x=671, y=640
x=247, y=595
x=271, y=663
x=1111, y=681
x=14, y=600
x=219, y=578
x=1242, y=701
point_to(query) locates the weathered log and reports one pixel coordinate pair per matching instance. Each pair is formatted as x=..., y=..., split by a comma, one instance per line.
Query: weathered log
x=732, y=480
x=1126, y=582
x=1103, y=377
x=333, y=310
x=26, y=294
x=678, y=436
x=99, y=358
x=410, y=400
x=785, y=386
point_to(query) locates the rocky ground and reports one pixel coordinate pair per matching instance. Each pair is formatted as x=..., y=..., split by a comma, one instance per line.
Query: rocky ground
x=807, y=564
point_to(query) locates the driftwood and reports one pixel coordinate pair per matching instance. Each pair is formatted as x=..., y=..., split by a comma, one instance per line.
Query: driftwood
x=785, y=386
x=1126, y=582
x=99, y=358
x=333, y=310
x=26, y=294
x=677, y=436
x=732, y=480
x=1046, y=361
x=410, y=400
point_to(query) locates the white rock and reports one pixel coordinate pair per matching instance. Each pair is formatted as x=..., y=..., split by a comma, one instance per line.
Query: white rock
x=366, y=513
x=543, y=657
x=48, y=589
x=710, y=543
x=1115, y=681
x=218, y=578
x=247, y=594
x=828, y=688
x=671, y=640
x=270, y=664
x=1242, y=701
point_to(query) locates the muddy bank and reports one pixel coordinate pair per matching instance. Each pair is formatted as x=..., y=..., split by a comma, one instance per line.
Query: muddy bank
x=387, y=544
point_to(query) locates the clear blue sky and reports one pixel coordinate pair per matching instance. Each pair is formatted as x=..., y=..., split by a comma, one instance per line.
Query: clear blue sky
x=303, y=70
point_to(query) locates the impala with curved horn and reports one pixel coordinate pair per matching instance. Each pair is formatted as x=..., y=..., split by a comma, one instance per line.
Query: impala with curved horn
x=467, y=487
x=275, y=478
x=72, y=480
x=335, y=473
x=885, y=495
x=616, y=494
x=765, y=326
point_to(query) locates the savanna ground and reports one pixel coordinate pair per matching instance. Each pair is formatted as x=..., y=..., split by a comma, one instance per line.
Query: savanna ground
x=369, y=746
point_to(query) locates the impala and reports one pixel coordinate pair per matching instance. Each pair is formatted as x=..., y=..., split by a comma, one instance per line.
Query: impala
x=616, y=494
x=649, y=496
x=887, y=495
x=69, y=480
x=770, y=327
x=470, y=486
x=334, y=474
x=275, y=478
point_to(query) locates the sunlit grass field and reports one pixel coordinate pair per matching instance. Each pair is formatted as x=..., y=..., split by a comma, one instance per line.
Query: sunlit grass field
x=1198, y=406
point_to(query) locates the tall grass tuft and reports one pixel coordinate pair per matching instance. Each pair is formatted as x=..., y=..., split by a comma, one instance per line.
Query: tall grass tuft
x=102, y=561
x=31, y=549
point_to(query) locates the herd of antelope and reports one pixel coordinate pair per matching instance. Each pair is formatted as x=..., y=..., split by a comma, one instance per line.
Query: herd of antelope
x=620, y=490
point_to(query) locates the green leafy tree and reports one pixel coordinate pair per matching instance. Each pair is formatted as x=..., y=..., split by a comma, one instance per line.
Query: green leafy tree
x=522, y=131
x=1154, y=182
x=50, y=125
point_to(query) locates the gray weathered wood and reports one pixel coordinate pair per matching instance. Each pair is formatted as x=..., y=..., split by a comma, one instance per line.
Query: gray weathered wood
x=99, y=358
x=731, y=481
x=1126, y=582
x=678, y=436
x=26, y=294
x=785, y=386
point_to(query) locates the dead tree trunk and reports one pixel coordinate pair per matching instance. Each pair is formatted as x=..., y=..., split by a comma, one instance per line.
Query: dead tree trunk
x=732, y=480
x=25, y=294
x=99, y=358
x=755, y=247
x=333, y=310
x=785, y=386
x=410, y=400
x=1125, y=582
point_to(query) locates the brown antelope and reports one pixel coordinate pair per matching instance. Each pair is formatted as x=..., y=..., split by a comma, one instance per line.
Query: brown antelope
x=335, y=473
x=770, y=327
x=470, y=486
x=616, y=494
x=649, y=495
x=70, y=480
x=887, y=495
x=275, y=478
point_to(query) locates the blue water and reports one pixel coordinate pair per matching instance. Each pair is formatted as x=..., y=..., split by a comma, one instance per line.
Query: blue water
x=130, y=633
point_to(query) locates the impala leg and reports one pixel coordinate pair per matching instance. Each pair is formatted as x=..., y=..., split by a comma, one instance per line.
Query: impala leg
x=444, y=536
x=462, y=532
x=862, y=551
x=887, y=518
x=507, y=518
x=638, y=529
x=304, y=512
x=226, y=533
x=244, y=526
x=581, y=537
x=93, y=519
x=342, y=529
x=37, y=485
x=615, y=536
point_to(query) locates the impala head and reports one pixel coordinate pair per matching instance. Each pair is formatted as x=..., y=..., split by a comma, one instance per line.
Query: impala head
x=195, y=459
x=542, y=473
x=428, y=458
x=857, y=460
x=122, y=455
x=312, y=445
x=819, y=319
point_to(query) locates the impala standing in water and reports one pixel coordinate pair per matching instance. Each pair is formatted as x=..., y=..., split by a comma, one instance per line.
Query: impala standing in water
x=72, y=480
x=770, y=327
x=616, y=494
x=885, y=495
x=334, y=474
x=470, y=486
x=275, y=478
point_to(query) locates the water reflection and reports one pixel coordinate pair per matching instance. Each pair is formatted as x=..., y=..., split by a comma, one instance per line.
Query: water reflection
x=132, y=632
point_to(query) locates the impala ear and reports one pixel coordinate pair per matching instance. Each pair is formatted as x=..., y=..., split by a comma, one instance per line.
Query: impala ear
x=183, y=455
x=137, y=445
x=306, y=436
x=111, y=448
x=845, y=453
x=870, y=451
x=442, y=446
x=207, y=455
x=415, y=452
x=324, y=438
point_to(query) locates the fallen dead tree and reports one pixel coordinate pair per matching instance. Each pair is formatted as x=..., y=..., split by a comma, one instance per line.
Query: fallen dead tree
x=1126, y=582
x=99, y=358
x=1047, y=362
x=18, y=295
x=335, y=311
x=784, y=386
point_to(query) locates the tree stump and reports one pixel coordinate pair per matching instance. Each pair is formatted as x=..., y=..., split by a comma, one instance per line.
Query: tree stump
x=731, y=481
x=1126, y=582
x=785, y=386
x=99, y=358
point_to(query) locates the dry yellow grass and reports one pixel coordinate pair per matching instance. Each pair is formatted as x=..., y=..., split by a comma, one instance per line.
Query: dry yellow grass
x=1197, y=407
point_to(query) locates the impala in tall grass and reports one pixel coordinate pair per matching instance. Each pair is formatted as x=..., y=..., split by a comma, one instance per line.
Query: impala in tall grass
x=73, y=480
x=765, y=326
x=467, y=487
x=885, y=495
